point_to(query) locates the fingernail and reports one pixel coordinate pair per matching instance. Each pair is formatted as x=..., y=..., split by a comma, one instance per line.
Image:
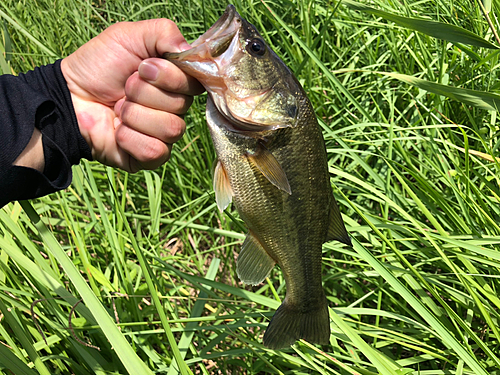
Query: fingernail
x=148, y=71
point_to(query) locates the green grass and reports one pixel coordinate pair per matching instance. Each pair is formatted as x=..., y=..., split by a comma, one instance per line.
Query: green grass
x=412, y=139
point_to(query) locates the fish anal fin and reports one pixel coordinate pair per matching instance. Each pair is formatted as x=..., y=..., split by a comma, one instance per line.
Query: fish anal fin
x=291, y=323
x=336, y=227
x=265, y=161
x=254, y=263
x=222, y=187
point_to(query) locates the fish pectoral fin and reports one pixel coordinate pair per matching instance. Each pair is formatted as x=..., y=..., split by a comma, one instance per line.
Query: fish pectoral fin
x=254, y=263
x=336, y=227
x=265, y=161
x=222, y=187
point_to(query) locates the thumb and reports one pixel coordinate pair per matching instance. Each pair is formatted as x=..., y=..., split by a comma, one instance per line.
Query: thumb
x=169, y=38
x=151, y=38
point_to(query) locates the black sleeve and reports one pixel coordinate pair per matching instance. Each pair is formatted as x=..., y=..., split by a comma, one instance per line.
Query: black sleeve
x=41, y=99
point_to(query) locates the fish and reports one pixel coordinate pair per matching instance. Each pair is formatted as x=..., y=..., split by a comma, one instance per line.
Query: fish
x=272, y=165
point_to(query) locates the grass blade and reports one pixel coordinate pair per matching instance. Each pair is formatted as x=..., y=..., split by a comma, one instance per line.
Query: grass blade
x=441, y=330
x=14, y=364
x=127, y=355
x=480, y=99
x=435, y=29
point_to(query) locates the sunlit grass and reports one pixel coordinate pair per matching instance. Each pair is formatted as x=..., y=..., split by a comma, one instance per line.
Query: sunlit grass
x=415, y=174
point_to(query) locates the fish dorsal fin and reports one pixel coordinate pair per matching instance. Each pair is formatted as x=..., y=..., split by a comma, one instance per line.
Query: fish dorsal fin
x=222, y=187
x=254, y=263
x=336, y=227
x=265, y=161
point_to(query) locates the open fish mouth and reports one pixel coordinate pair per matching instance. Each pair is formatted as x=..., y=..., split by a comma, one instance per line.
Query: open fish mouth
x=214, y=42
x=218, y=27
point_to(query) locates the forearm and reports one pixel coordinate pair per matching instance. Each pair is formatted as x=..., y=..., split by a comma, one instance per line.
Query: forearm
x=39, y=134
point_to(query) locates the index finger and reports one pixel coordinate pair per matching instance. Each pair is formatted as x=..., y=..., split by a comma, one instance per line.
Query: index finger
x=166, y=76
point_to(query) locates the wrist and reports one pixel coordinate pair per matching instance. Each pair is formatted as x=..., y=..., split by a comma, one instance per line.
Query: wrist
x=78, y=102
x=32, y=156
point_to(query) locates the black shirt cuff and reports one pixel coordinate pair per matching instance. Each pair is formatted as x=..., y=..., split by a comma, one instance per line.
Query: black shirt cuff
x=41, y=99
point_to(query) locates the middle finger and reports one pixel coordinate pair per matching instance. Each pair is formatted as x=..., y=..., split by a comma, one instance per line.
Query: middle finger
x=162, y=125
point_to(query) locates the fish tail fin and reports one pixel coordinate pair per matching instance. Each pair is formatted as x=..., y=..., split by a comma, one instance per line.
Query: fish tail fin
x=291, y=323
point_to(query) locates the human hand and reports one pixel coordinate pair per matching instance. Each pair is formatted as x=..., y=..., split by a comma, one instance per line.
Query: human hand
x=129, y=103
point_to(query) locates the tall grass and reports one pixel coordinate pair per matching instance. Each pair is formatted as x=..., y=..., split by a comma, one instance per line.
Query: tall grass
x=414, y=167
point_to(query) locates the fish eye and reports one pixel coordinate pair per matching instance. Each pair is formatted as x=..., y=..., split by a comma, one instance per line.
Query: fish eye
x=256, y=47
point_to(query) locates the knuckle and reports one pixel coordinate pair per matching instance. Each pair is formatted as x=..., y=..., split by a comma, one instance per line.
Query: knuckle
x=165, y=24
x=177, y=104
x=176, y=128
x=118, y=27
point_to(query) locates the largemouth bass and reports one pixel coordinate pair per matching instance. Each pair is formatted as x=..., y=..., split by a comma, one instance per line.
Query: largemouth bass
x=272, y=165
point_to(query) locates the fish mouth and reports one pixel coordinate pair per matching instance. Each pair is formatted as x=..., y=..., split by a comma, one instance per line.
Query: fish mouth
x=213, y=43
x=219, y=26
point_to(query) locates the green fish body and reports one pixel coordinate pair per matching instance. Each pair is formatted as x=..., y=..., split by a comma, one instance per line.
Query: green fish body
x=272, y=165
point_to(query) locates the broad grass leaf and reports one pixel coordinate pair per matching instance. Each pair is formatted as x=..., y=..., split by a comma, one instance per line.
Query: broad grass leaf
x=8, y=360
x=5, y=49
x=479, y=99
x=245, y=294
x=480, y=154
x=435, y=29
x=100, y=278
x=383, y=365
x=487, y=5
x=7, y=43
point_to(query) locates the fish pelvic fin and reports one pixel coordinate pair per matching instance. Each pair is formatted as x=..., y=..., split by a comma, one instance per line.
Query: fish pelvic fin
x=336, y=227
x=254, y=263
x=291, y=323
x=222, y=187
x=265, y=161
